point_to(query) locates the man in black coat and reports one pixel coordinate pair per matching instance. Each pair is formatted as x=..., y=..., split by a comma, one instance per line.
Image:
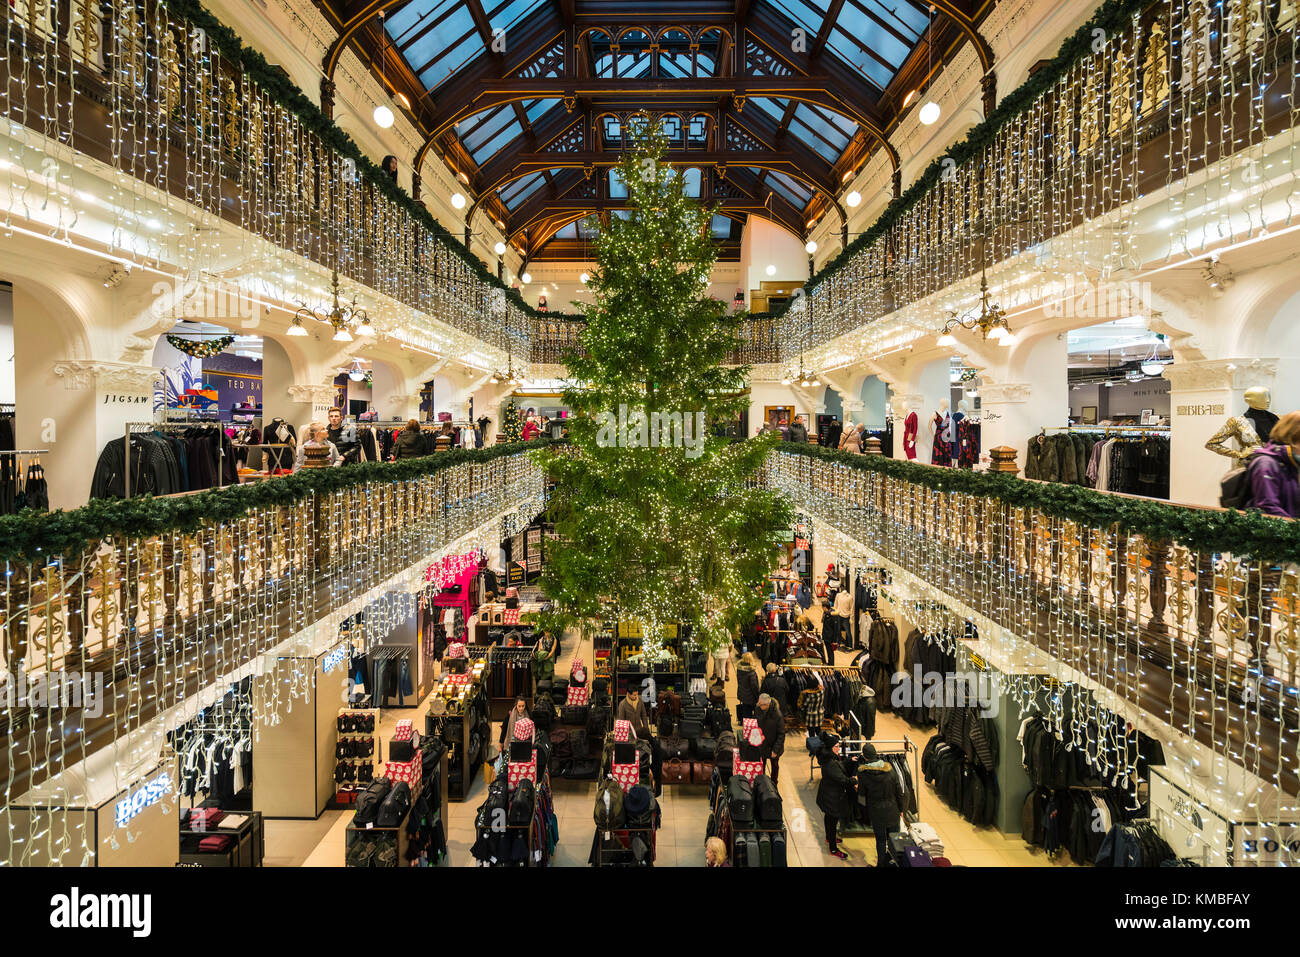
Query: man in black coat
x=777, y=687
x=880, y=791
x=772, y=723
x=798, y=432
x=835, y=792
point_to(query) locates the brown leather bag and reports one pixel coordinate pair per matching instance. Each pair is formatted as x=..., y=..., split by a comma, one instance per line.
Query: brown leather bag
x=677, y=771
x=701, y=772
x=669, y=699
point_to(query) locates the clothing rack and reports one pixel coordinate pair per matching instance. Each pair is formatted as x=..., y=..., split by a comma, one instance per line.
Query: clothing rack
x=171, y=425
x=25, y=452
x=1107, y=429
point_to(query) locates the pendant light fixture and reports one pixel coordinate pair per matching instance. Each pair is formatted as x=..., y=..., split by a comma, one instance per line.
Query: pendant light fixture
x=930, y=111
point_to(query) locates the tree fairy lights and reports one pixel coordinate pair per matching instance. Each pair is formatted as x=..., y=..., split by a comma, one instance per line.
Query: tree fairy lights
x=666, y=532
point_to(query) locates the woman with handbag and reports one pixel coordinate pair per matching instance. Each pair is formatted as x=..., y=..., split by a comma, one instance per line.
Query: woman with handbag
x=544, y=657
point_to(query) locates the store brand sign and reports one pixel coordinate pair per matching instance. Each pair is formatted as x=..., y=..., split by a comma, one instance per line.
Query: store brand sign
x=334, y=658
x=1204, y=409
x=148, y=795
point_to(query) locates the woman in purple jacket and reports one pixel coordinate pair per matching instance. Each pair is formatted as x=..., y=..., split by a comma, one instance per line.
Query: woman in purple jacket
x=1274, y=470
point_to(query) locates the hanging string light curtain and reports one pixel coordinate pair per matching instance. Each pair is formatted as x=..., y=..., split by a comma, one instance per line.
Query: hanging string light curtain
x=1176, y=618
x=1142, y=96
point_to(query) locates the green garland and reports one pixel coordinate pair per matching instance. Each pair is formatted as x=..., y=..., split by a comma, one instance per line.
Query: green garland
x=277, y=85
x=41, y=536
x=201, y=349
x=1111, y=17
x=1204, y=530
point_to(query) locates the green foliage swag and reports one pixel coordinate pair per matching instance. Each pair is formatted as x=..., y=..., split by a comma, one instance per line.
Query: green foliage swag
x=1111, y=17
x=42, y=536
x=1244, y=534
x=667, y=531
x=277, y=85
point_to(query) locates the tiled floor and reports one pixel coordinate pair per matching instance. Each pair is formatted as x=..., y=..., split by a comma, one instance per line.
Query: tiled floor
x=680, y=841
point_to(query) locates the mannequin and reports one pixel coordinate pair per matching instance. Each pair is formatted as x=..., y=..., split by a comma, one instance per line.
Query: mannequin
x=940, y=427
x=910, y=424
x=967, y=450
x=1249, y=430
x=280, y=432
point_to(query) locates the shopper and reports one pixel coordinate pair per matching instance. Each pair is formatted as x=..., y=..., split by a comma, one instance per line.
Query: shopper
x=520, y=710
x=544, y=657
x=318, y=451
x=632, y=709
x=879, y=790
x=777, y=687
x=746, y=685
x=722, y=661
x=772, y=723
x=715, y=853
x=1274, y=486
x=834, y=792
x=531, y=429
x=798, y=432
x=409, y=444
x=344, y=437
x=851, y=441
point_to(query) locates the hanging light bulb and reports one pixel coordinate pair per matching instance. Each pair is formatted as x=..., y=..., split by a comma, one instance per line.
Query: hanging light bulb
x=499, y=248
x=770, y=270
x=356, y=373
x=810, y=247
x=584, y=279
x=853, y=199
x=384, y=117
x=526, y=278
x=929, y=114
x=457, y=201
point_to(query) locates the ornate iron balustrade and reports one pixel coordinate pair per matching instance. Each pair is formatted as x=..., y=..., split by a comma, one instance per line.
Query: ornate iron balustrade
x=162, y=616
x=1205, y=641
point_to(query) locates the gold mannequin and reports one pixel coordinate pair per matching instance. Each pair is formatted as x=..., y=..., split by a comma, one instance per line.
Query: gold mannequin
x=1245, y=429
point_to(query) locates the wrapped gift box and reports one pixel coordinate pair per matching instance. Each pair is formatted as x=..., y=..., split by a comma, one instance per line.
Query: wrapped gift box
x=747, y=769
x=622, y=730
x=411, y=772
x=404, y=731
x=578, y=696
x=510, y=616
x=751, y=732
x=517, y=771
x=523, y=729
x=627, y=775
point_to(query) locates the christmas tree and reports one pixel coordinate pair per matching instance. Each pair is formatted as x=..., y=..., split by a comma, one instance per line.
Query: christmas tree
x=511, y=427
x=652, y=510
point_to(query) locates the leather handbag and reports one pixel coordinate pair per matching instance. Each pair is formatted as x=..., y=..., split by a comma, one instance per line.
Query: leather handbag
x=575, y=714
x=676, y=771
x=673, y=748
x=706, y=749
x=701, y=772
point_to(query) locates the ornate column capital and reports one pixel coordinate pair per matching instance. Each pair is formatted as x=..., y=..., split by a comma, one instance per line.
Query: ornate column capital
x=1207, y=375
x=315, y=394
x=96, y=374
x=1000, y=393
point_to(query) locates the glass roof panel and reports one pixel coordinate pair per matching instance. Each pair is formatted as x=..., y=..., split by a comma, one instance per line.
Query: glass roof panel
x=516, y=192
x=835, y=129
x=499, y=142
x=808, y=137
x=569, y=231
x=808, y=14
x=772, y=107
x=507, y=13
x=721, y=226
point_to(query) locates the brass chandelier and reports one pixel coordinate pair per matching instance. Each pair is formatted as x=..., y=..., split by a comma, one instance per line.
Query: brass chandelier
x=990, y=320
x=508, y=376
x=343, y=318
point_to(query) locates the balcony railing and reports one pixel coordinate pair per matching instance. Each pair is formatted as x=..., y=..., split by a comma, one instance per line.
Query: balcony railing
x=161, y=596
x=1189, y=614
x=1183, y=84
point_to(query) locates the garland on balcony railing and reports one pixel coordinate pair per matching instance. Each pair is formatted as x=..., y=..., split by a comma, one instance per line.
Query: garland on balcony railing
x=1111, y=17
x=42, y=536
x=1203, y=530
x=283, y=91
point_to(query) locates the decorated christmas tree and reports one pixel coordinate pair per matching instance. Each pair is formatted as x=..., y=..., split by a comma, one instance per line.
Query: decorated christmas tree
x=652, y=511
x=511, y=426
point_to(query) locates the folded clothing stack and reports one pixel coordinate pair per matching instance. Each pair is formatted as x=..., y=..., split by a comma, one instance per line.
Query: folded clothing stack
x=203, y=818
x=926, y=838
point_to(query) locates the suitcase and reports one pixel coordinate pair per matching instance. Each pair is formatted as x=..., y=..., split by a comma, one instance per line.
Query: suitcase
x=740, y=801
x=917, y=857
x=778, y=850
x=751, y=850
x=738, y=852
x=764, y=851
x=767, y=802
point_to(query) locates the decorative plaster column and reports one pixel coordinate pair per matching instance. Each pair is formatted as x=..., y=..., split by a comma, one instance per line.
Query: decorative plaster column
x=1008, y=418
x=400, y=405
x=1202, y=395
x=109, y=395
x=307, y=403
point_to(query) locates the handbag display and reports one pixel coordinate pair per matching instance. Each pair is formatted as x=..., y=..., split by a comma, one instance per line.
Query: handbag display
x=740, y=801
x=676, y=771
x=701, y=772
x=673, y=748
x=574, y=714
x=767, y=802
x=706, y=748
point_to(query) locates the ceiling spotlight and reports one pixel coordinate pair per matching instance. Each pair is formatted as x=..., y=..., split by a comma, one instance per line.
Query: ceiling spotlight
x=584, y=278
x=383, y=117
x=770, y=270
x=853, y=199
x=810, y=247
x=457, y=200
x=499, y=248
x=526, y=278
x=929, y=114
